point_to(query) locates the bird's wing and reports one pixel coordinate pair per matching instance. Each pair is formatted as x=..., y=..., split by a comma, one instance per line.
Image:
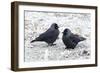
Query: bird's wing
x=75, y=38
x=80, y=37
x=46, y=35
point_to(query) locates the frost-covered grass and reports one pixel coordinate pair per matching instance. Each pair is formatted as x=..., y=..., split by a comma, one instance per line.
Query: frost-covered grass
x=38, y=22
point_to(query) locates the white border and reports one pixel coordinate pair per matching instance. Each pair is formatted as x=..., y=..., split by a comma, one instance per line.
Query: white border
x=23, y=64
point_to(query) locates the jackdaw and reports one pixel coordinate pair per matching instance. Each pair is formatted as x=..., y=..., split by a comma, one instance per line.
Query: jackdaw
x=49, y=36
x=71, y=40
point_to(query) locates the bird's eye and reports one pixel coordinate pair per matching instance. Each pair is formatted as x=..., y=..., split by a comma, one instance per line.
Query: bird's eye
x=56, y=26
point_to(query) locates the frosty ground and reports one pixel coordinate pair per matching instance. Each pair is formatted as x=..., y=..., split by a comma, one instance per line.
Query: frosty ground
x=38, y=22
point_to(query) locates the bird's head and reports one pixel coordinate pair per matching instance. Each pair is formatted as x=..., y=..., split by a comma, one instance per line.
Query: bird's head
x=66, y=32
x=55, y=26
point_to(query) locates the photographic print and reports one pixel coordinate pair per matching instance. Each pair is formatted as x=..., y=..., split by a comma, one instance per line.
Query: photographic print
x=41, y=34
x=51, y=36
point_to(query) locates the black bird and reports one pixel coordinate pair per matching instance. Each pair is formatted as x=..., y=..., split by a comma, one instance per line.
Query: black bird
x=71, y=40
x=49, y=36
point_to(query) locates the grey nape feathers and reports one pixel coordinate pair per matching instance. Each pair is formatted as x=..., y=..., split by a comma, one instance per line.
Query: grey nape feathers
x=49, y=36
x=70, y=40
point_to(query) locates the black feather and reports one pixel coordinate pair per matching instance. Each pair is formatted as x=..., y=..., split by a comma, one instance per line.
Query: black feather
x=71, y=40
x=49, y=36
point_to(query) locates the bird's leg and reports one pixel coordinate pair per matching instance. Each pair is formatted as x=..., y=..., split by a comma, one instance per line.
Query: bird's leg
x=51, y=44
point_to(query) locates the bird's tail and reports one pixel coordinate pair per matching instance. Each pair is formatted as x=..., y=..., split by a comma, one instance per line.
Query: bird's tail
x=32, y=41
x=82, y=38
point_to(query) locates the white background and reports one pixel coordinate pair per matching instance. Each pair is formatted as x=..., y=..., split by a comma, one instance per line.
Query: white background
x=5, y=40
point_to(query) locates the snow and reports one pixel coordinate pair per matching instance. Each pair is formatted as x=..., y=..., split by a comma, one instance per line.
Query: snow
x=38, y=22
